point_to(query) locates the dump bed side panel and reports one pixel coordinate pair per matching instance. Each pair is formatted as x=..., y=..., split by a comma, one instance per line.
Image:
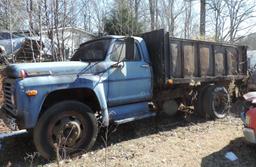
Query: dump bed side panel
x=200, y=59
x=186, y=60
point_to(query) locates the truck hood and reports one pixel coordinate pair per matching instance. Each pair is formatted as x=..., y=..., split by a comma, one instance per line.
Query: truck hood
x=47, y=68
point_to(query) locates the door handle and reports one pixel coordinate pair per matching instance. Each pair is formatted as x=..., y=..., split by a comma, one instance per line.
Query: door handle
x=145, y=66
x=117, y=65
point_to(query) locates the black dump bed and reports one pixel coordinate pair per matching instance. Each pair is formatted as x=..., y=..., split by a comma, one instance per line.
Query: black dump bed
x=185, y=61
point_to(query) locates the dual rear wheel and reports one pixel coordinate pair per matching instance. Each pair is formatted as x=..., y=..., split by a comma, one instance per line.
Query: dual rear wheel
x=213, y=102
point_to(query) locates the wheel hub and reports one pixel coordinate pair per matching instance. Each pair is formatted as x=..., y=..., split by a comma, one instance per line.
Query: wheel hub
x=69, y=132
x=72, y=132
x=220, y=101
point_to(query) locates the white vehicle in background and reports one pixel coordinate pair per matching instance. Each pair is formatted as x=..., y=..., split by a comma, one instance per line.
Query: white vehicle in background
x=11, y=41
x=21, y=47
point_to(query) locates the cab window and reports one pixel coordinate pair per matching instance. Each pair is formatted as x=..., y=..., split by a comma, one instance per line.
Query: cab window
x=118, y=52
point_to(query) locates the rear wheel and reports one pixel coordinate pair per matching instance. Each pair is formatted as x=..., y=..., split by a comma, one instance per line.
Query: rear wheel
x=216, y=102
x=66, y=127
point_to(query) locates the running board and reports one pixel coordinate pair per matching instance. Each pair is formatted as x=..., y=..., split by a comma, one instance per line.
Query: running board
x=126, y=120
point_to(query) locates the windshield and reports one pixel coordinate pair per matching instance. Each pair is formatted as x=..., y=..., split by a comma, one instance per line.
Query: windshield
x=92, y=51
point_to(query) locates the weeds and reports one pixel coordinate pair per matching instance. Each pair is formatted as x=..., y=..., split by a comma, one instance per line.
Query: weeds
x=105, y=138
x=31, y=158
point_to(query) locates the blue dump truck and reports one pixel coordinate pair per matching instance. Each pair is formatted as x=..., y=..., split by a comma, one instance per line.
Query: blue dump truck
x=118, y=79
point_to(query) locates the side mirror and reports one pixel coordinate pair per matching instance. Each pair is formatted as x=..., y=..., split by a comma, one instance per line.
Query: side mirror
x=129, y=51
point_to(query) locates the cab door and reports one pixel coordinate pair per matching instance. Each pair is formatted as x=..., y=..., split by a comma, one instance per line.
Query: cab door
x=129, y=79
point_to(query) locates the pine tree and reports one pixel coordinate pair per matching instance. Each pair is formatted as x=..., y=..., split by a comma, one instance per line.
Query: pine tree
x=122, y=21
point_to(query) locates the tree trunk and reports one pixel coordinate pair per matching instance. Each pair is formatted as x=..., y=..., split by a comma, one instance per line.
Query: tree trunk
x=187, y=19
x=56, y=27
x=30, y=10
x=40, y=29
x=152, y=14
x=202, y=18
x=156, y=14
x=171, y=28
x=136, y=13
x=62, y=31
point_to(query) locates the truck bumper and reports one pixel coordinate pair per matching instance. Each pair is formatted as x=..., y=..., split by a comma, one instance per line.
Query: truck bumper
x=249, y=135
x=9, y=121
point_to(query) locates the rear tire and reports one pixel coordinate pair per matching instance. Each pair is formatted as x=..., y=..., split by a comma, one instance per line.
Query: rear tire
x=216, y=102
x=200, y=100
x=68, y=126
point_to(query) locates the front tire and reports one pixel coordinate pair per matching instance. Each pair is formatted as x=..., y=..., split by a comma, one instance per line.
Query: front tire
x=68, y=127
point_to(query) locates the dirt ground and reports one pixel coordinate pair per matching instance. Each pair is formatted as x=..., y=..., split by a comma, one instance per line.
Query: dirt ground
x=182, y=141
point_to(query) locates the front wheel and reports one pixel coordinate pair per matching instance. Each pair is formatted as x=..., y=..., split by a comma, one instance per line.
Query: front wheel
x=66, y=127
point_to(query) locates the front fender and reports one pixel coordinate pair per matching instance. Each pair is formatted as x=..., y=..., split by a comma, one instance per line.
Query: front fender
x=30, y=107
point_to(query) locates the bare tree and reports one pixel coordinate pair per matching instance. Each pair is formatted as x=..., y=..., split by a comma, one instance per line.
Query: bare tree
x=238, y=11
x=29, y=6
x=137, y=4
x=228, y=18
x=136, y=9
x=39, y=5
x=171, y=11
x=153, y=4
x=216, y=8
x=187, y=20
x=11, y=14
x=86, y=14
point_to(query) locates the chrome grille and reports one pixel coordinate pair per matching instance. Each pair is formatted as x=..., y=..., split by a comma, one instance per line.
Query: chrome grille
x=8, y=90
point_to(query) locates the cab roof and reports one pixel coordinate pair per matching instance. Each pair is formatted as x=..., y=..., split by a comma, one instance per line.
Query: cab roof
x=111, y=37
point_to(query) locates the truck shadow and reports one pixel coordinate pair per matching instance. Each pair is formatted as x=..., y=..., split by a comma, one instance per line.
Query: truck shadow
x=245, y=152
x=15, y=150
x=145, y=127
x=20, y=150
